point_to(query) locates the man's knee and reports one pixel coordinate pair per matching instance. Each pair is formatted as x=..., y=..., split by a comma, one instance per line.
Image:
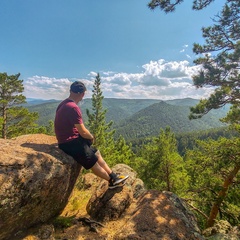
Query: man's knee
x=98, y=154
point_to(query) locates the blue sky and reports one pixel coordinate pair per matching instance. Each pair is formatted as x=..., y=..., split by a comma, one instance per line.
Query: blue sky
x=139, y=53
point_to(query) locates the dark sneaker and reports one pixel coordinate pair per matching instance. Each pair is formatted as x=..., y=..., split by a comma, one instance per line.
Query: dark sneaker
x=119, y=181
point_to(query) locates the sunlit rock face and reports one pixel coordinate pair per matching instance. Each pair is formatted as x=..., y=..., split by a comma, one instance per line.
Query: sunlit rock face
x=36, y=180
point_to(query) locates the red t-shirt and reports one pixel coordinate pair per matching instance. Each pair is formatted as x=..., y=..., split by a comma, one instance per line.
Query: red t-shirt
x=67, y=115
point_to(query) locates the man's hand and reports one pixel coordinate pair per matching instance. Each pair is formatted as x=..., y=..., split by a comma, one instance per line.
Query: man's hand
x=92, y=140
x=84, y=132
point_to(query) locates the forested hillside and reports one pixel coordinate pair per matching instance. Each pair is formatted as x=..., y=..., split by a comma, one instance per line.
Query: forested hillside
x=117, y=109
x=149, y=121
x=46, y=111
x=183, y=102
x=136, y=118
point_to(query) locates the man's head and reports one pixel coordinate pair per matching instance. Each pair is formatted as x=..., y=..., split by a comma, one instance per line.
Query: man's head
x=78, y=87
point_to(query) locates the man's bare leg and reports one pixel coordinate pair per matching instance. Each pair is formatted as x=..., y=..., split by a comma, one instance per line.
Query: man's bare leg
x=100, y=172
x=102, y=163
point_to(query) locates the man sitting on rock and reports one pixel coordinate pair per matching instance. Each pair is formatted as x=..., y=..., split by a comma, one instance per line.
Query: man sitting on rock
x=76, y=140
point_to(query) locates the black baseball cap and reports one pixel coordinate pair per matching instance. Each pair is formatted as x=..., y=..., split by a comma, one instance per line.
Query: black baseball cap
x=78, y=87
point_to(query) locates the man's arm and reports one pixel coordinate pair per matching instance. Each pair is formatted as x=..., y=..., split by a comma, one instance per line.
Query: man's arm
x=83, y=131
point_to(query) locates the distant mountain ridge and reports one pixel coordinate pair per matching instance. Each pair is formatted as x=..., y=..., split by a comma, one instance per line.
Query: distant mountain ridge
x=117, y=109
x=136, y=118
x=183, y=102
x=36, y=101
x=149, y=121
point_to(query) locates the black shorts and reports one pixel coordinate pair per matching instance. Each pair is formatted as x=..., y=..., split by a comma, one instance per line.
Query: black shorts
x=81, y=150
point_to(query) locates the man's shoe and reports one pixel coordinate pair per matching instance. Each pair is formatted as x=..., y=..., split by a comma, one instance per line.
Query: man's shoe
x=119, y=181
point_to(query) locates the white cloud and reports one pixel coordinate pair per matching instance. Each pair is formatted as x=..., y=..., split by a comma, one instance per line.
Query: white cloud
x=158, y=80
x=184, y=48
x=45, y=87
x=49, y=88
x=92, y=74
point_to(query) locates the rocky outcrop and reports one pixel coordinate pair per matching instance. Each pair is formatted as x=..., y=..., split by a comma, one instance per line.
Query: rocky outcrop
x=160, y=215
x=156, y=215
x=36, y=180
x=222, y=230
x=109, y=204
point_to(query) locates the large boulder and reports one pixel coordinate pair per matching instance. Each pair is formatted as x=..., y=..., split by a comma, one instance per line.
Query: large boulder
x=149, y=214
x=222, y=230
x=109, y=204
x=160, y=215
x=36, y=180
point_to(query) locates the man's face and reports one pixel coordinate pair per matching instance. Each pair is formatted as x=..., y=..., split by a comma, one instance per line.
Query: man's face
x=81, y=95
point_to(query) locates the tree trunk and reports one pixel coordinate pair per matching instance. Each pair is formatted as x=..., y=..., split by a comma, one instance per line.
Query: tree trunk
x=4, y=124
x=221, y=195
x=168, y=177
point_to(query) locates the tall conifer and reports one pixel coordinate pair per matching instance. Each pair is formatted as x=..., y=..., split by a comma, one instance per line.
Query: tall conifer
x=113, y=151
x=15, y=120
x=97, y=117
x=165, y=167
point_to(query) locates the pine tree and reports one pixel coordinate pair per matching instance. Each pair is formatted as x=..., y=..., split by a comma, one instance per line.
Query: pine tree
x=113, y=151
x=165, y=167
x=214, y=172
x=219, y=56
x=169, y=6
x=96, y=120
x=124, y=153
x=221, y=61
x=15, y=120
x=50, y=128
